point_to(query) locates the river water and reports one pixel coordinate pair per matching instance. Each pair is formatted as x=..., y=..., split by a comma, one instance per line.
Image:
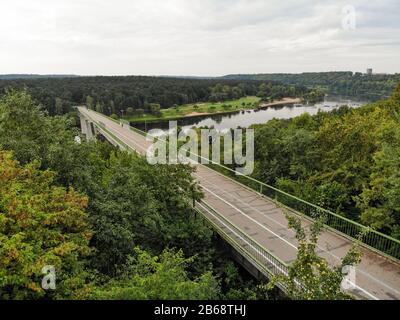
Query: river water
x=247, y=118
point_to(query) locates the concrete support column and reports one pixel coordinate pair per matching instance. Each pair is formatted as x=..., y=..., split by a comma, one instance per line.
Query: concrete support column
x=95, y=131
x=89, y=131
x=83, y=125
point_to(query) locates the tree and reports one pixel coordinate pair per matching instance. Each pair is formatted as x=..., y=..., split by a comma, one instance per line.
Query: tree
x=155, y=109
x=131, y=203
x=396, y=94
x=139, y=112
x=380, y=200
x=145, y=205
x=344, y=161
x=40, y=225
x=58, y=106
x=22, y=126
x=118, y=93
x=310, y=277
x=212, y=109
x=99, y=107
x=89, y=102
x=158, y=278
x=112, y=107
x=31, y=135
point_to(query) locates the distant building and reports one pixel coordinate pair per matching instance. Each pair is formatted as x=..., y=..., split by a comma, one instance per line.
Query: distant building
x=369, y=71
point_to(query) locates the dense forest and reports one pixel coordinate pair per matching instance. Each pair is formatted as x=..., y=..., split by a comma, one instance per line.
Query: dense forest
x=347, y=161
x=113, y=226
x=110, y=95
x=355, y=85
x=116, y=227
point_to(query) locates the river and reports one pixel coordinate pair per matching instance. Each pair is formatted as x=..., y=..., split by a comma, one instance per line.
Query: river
x=249, y=117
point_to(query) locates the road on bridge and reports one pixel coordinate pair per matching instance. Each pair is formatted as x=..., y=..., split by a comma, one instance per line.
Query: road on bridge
x=377, y=277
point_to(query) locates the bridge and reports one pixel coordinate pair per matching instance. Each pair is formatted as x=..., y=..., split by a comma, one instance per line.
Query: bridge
x=250, y=217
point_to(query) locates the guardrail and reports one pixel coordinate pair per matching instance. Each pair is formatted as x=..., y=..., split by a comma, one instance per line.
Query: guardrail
x=264, y=261
x=371, y=238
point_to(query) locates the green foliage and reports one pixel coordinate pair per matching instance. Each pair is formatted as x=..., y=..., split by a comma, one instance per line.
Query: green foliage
x=112, y=94
x=158, y=278
x=380, y=200
x=310, y=277
x=315, y=95
x=147, y=205
x=130, y=203
x=130, y=111
x=22, y=127
x=40, y=225
x=58, y=106
x=346, y=83
x=155, y=109
x=396, y=94
x=345, y=161
x=99, y=107
x=89, y=102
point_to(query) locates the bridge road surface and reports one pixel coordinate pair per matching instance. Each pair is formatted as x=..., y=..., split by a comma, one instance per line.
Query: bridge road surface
x=377, y=277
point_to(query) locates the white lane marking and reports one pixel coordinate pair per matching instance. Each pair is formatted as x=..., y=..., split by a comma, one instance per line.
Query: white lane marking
x=290, y=244
x=324, y=250
x=245, y=203
x=250, y=218
x=239, y=236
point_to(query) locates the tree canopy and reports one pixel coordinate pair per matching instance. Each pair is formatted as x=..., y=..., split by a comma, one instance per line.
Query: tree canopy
x=83, y=207
x=345, y=161
x=40, y=224
x=114, y=95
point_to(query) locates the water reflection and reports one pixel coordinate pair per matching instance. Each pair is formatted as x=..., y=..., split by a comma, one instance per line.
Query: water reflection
x=247, y=118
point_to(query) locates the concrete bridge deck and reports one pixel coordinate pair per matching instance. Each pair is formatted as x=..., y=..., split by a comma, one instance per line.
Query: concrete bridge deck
x=377, y=277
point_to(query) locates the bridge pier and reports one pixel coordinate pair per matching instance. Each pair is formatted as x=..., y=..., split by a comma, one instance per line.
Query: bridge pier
x=83, y=124
x=87, y=128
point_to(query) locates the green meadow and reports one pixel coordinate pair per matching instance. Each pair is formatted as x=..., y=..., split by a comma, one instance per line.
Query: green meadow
x=197, y=109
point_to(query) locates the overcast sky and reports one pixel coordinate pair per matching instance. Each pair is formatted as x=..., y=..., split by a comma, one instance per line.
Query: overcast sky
x=197, y=37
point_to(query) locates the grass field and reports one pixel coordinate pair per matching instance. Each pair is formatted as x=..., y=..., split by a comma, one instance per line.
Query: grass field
x=200, y=109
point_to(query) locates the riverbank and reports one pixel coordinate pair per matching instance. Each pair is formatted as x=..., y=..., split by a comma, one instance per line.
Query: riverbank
x=284, y=109
x=199, y=109
x=210, y=108
x=284, y=101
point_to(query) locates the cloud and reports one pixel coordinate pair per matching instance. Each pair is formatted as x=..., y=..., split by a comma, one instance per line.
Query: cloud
x=193, y=37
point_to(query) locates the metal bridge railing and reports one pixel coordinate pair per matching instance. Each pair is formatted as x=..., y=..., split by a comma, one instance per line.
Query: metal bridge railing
x=265, y=261
x=371, y=238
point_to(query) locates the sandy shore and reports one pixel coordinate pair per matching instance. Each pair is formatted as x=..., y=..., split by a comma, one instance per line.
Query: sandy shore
x=280, y=102
x=261, y=106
